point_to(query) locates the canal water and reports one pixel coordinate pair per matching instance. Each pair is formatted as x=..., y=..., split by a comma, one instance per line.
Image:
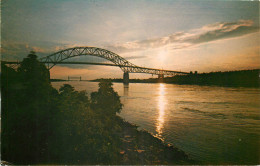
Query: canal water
x=215, y=125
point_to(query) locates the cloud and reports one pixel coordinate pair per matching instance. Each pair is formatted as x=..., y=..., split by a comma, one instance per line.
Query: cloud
x=223, y=31
x=38, y=49
x=180, y=40
x=13, y=51
x=18, y=50
x=135, y=57
x=65, y=46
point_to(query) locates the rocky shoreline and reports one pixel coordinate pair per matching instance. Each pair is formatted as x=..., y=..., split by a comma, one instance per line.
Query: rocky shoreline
x=141, y=147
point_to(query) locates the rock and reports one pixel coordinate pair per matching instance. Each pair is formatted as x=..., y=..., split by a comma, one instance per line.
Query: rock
x=140, y=151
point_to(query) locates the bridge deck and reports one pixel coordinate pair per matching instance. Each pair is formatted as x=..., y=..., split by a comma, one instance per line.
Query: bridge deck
x=166, y=72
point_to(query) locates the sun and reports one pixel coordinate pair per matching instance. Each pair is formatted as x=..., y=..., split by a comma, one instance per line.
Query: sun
x=162, y=55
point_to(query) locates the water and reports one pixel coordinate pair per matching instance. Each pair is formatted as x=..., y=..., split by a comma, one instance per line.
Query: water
x=215, y=125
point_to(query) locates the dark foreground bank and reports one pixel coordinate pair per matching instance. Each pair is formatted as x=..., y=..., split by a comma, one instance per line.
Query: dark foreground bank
x=140, y=147
x=42, y=125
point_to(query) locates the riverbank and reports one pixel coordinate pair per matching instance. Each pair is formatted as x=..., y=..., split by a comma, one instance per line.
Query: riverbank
x=140, y=147
x=242, y=78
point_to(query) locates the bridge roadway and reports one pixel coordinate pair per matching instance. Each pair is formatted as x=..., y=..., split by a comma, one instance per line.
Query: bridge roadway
x=101, y=64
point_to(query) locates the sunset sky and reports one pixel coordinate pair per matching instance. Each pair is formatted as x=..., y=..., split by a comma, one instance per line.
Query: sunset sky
x=175, y=35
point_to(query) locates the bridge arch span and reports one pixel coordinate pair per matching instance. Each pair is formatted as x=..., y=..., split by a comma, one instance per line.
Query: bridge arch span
x=125, y=65
x=59, y=56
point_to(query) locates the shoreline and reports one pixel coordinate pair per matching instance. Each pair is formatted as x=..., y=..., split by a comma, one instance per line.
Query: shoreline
x=141, y=147
x=210, y=85
x=144, y=82
x=241, y=78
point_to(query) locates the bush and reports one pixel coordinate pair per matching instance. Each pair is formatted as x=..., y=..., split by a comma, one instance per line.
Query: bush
x=43, y=125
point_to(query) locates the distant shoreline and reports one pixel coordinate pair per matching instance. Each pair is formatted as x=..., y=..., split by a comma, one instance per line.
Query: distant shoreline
x=242, y=78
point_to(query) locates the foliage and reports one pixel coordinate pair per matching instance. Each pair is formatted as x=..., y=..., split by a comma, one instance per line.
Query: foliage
x=90, y=141
x=27, y=111
x=243, y=78
x=106, y=100
x=43, y=125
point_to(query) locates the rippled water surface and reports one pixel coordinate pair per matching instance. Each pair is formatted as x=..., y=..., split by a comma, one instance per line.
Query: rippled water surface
x=212, y=124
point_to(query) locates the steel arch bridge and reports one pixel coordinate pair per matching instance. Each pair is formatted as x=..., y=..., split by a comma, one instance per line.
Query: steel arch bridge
x=126, y=66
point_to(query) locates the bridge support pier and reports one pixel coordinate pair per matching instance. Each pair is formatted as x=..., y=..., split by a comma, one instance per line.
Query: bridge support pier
x=126, y=78
x=160, y=77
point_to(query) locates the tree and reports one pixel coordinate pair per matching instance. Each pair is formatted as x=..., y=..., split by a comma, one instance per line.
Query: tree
x=84, y=135
x=106, y=101
x=43, y=125
x=35, y=75
x=28, y=112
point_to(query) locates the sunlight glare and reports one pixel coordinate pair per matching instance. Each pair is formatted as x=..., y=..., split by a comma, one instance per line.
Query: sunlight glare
x=162, y=55
x=161, y=108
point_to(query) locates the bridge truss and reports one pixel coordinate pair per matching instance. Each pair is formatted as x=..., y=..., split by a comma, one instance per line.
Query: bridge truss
x=126, y=66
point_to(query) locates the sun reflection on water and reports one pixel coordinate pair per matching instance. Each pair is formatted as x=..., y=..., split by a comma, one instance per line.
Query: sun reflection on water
x=161, y=109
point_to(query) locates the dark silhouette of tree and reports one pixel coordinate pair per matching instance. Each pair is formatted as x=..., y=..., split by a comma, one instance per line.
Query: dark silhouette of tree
x=43, y=125
x=106, y=101
x=243, y=78
x=28, y=112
